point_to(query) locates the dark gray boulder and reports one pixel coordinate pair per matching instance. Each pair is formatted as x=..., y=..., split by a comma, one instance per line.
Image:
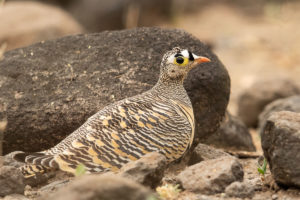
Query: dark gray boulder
x=52, y=87
x=232, y=135
x=287, y=104
x=281, y=145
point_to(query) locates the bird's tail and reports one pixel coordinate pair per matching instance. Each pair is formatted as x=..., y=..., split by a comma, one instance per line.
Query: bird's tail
x=36, y=163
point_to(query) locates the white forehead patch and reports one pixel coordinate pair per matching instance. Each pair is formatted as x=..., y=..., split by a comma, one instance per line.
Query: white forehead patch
x=185, y=53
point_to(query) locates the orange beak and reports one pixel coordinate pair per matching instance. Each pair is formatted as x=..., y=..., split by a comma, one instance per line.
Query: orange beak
x=201, y=59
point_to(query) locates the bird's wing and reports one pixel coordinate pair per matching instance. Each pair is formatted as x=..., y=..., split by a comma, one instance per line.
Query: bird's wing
x=125, y=131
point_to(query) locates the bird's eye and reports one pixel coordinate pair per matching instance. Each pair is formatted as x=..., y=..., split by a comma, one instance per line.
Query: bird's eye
x=181, y=61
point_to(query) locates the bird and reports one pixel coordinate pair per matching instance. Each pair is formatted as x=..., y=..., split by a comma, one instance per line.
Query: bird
x=158, y=120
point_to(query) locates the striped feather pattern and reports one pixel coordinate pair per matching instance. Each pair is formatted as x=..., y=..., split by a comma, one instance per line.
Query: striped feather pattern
x=120, y=133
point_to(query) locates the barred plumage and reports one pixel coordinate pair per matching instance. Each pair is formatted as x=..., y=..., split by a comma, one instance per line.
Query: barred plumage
x=159, y=120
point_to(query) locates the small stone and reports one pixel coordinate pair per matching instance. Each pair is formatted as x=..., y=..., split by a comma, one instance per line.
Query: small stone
x=287, y=104
x=11, y=181
x=211, y=176
x=253, y=100
x=274, y=197
x=281, y=145
x=15, y=197
x=204, y=152
x=104, y=187
x=148, y=170
x=239, y=189
x=232, y=135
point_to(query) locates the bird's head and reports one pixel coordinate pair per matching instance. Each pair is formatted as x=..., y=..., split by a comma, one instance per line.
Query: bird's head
x=178, y=62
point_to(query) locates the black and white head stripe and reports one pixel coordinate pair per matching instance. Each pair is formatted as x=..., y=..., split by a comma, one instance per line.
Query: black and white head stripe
x=182, y=53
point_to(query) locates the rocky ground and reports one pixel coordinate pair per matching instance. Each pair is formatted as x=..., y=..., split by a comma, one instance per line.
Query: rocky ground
x=262, y=58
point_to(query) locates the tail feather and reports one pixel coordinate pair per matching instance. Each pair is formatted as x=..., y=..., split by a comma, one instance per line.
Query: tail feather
x=36, y=163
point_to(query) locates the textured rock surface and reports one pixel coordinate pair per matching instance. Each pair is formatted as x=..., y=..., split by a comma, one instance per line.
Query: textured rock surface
x=11, y=181
x=104, y=187
x=211, y=176
x=204, y=152
x=232, y=135
x=148, y=170
x=240, y=189
x=253, y=100
x=24, y=22
x=281, y=145
x=287, y=104
x=51, y=88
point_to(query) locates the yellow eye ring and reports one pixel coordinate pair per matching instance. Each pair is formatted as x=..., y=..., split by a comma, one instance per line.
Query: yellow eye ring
x=181, y=61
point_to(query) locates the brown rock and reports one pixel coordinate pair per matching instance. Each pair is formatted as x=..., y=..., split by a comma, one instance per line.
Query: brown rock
x=24, y=22
x=281, y=145
x=148, y=170
x=51, y=88
x=253, y=100
x=11, y=181
x=204, y=152
x=104, y=187
x=211, y=176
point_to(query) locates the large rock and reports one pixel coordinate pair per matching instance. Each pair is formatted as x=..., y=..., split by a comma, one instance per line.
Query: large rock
x=51, y=88
x=281, y=146
x=148, y=170
x=11, y=181
x=26, y=22
x=232, y=135
x=287, y=104
x=253, y=100
x=211, y=176
x=104, y=187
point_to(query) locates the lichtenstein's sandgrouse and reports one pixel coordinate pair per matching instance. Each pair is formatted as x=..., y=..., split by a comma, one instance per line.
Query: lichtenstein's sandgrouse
x=158, y=120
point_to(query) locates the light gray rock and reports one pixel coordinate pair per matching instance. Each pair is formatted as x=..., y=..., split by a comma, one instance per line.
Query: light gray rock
x=287, y=104
x=11, y=181
x=148, y=170
x=240, y=190
x=104, y=187
x=281, y=145
x=51, y=88
x=211, y=176
x=253, y=100
x=205, y=152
